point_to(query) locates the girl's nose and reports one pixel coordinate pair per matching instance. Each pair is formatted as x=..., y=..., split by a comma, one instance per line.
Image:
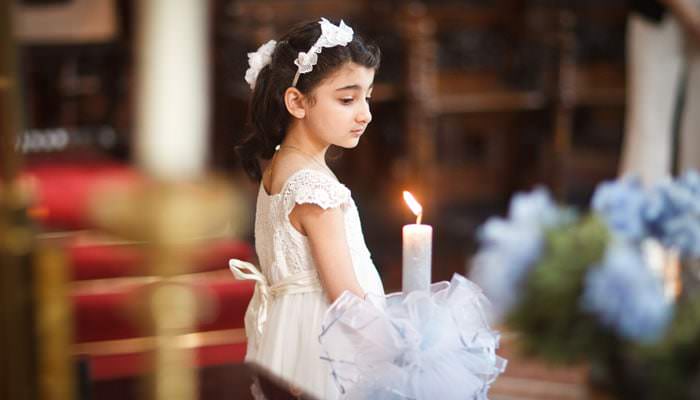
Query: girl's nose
x=364, y=116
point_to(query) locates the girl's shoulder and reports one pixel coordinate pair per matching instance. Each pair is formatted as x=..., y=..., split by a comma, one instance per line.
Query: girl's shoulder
x=312, y=186
x=280, y=170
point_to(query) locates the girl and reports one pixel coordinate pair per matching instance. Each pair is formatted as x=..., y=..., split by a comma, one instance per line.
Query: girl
x=311, y=90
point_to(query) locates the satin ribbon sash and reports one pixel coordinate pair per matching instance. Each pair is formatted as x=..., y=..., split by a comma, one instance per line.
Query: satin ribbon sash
x=264, y=293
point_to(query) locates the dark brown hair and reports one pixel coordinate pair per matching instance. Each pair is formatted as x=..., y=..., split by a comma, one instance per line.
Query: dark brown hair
x=268, y=118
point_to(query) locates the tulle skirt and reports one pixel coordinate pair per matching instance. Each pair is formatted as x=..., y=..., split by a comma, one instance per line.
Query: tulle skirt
x=290, y=348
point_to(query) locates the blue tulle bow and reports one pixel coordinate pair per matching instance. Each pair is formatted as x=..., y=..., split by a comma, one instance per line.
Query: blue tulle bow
x=420, y=345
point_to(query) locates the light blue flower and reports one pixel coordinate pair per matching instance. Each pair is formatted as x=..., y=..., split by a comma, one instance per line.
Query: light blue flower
x=683, y=233
x=658, y=208
x=624, y=294
x=500, y=274
x=621, y=204
x=691, y=181
x=535, y=208
x=672, y=214
x=521, y=241
x=510, y=247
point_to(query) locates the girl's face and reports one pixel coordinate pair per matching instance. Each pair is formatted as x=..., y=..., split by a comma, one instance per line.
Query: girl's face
x=339, y=111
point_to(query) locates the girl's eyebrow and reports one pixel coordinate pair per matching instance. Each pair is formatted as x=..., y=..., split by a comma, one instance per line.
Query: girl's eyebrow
x=354, y=87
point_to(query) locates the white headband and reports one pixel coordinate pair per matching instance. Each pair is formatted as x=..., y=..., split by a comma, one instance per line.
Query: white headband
x=331, y=36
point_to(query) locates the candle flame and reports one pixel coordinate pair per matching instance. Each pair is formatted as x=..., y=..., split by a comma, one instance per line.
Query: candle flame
x=415, y=206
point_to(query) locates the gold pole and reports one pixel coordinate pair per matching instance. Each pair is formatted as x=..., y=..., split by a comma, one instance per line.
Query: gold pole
x=17, y=351
x=9, y=97
x=35, y=334
x=53, y=321
x=170, y=217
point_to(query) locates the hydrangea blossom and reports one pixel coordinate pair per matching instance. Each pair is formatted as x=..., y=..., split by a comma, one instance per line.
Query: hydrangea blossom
x=509, y=247
x=623, y=292
x=621, y=204
x=672, y=214
x=535, y=208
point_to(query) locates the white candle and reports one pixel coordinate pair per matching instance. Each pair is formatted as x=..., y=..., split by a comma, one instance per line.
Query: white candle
x=417, y=250
x=173, y=83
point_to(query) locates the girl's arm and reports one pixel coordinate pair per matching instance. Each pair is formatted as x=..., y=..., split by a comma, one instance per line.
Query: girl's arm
x=688, y=14
x=325, y=230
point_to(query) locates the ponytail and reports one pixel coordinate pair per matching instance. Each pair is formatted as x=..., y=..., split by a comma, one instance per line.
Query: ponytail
x=267, y=122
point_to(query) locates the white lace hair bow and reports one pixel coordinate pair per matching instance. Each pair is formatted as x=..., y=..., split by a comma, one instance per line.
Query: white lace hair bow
x=331, y=36
x=257, y=60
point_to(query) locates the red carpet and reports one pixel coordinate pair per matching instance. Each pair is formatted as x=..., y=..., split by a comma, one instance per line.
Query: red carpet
x=109, y=279
x=107, y=312
x=63, y=191
x=100, y=261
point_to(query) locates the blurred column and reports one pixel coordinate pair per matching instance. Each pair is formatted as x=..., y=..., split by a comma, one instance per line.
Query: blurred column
x=171, y=147
x=173, y=88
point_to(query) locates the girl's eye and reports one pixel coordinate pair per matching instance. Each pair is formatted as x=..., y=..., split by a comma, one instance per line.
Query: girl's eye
x=346, y=100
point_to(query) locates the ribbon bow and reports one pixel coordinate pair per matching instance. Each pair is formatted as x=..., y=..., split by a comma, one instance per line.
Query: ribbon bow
x=257, y=60
x=256, y=315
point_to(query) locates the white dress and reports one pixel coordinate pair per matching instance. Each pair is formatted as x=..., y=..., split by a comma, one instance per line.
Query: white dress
x=284, y=318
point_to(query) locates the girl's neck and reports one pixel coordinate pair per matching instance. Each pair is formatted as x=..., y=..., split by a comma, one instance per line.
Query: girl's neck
x=298, y=138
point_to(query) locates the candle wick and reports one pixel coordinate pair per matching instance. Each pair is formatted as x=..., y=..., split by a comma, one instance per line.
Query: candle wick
x=419, y=218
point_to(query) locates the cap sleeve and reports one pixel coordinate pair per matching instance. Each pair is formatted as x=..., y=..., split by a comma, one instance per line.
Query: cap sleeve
x=314, y=187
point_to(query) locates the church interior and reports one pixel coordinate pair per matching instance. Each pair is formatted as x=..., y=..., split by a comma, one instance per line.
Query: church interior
x=115, y=280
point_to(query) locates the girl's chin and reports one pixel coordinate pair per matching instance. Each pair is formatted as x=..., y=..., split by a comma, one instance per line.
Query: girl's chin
x=350, y=143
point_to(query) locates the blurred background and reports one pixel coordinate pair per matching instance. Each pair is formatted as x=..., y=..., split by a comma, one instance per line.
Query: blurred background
x=475, y=100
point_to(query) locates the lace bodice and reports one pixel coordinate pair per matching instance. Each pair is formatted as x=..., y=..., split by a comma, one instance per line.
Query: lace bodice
x=283, y=251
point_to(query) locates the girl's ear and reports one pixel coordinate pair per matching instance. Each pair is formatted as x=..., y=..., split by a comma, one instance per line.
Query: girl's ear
x=294, y=101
